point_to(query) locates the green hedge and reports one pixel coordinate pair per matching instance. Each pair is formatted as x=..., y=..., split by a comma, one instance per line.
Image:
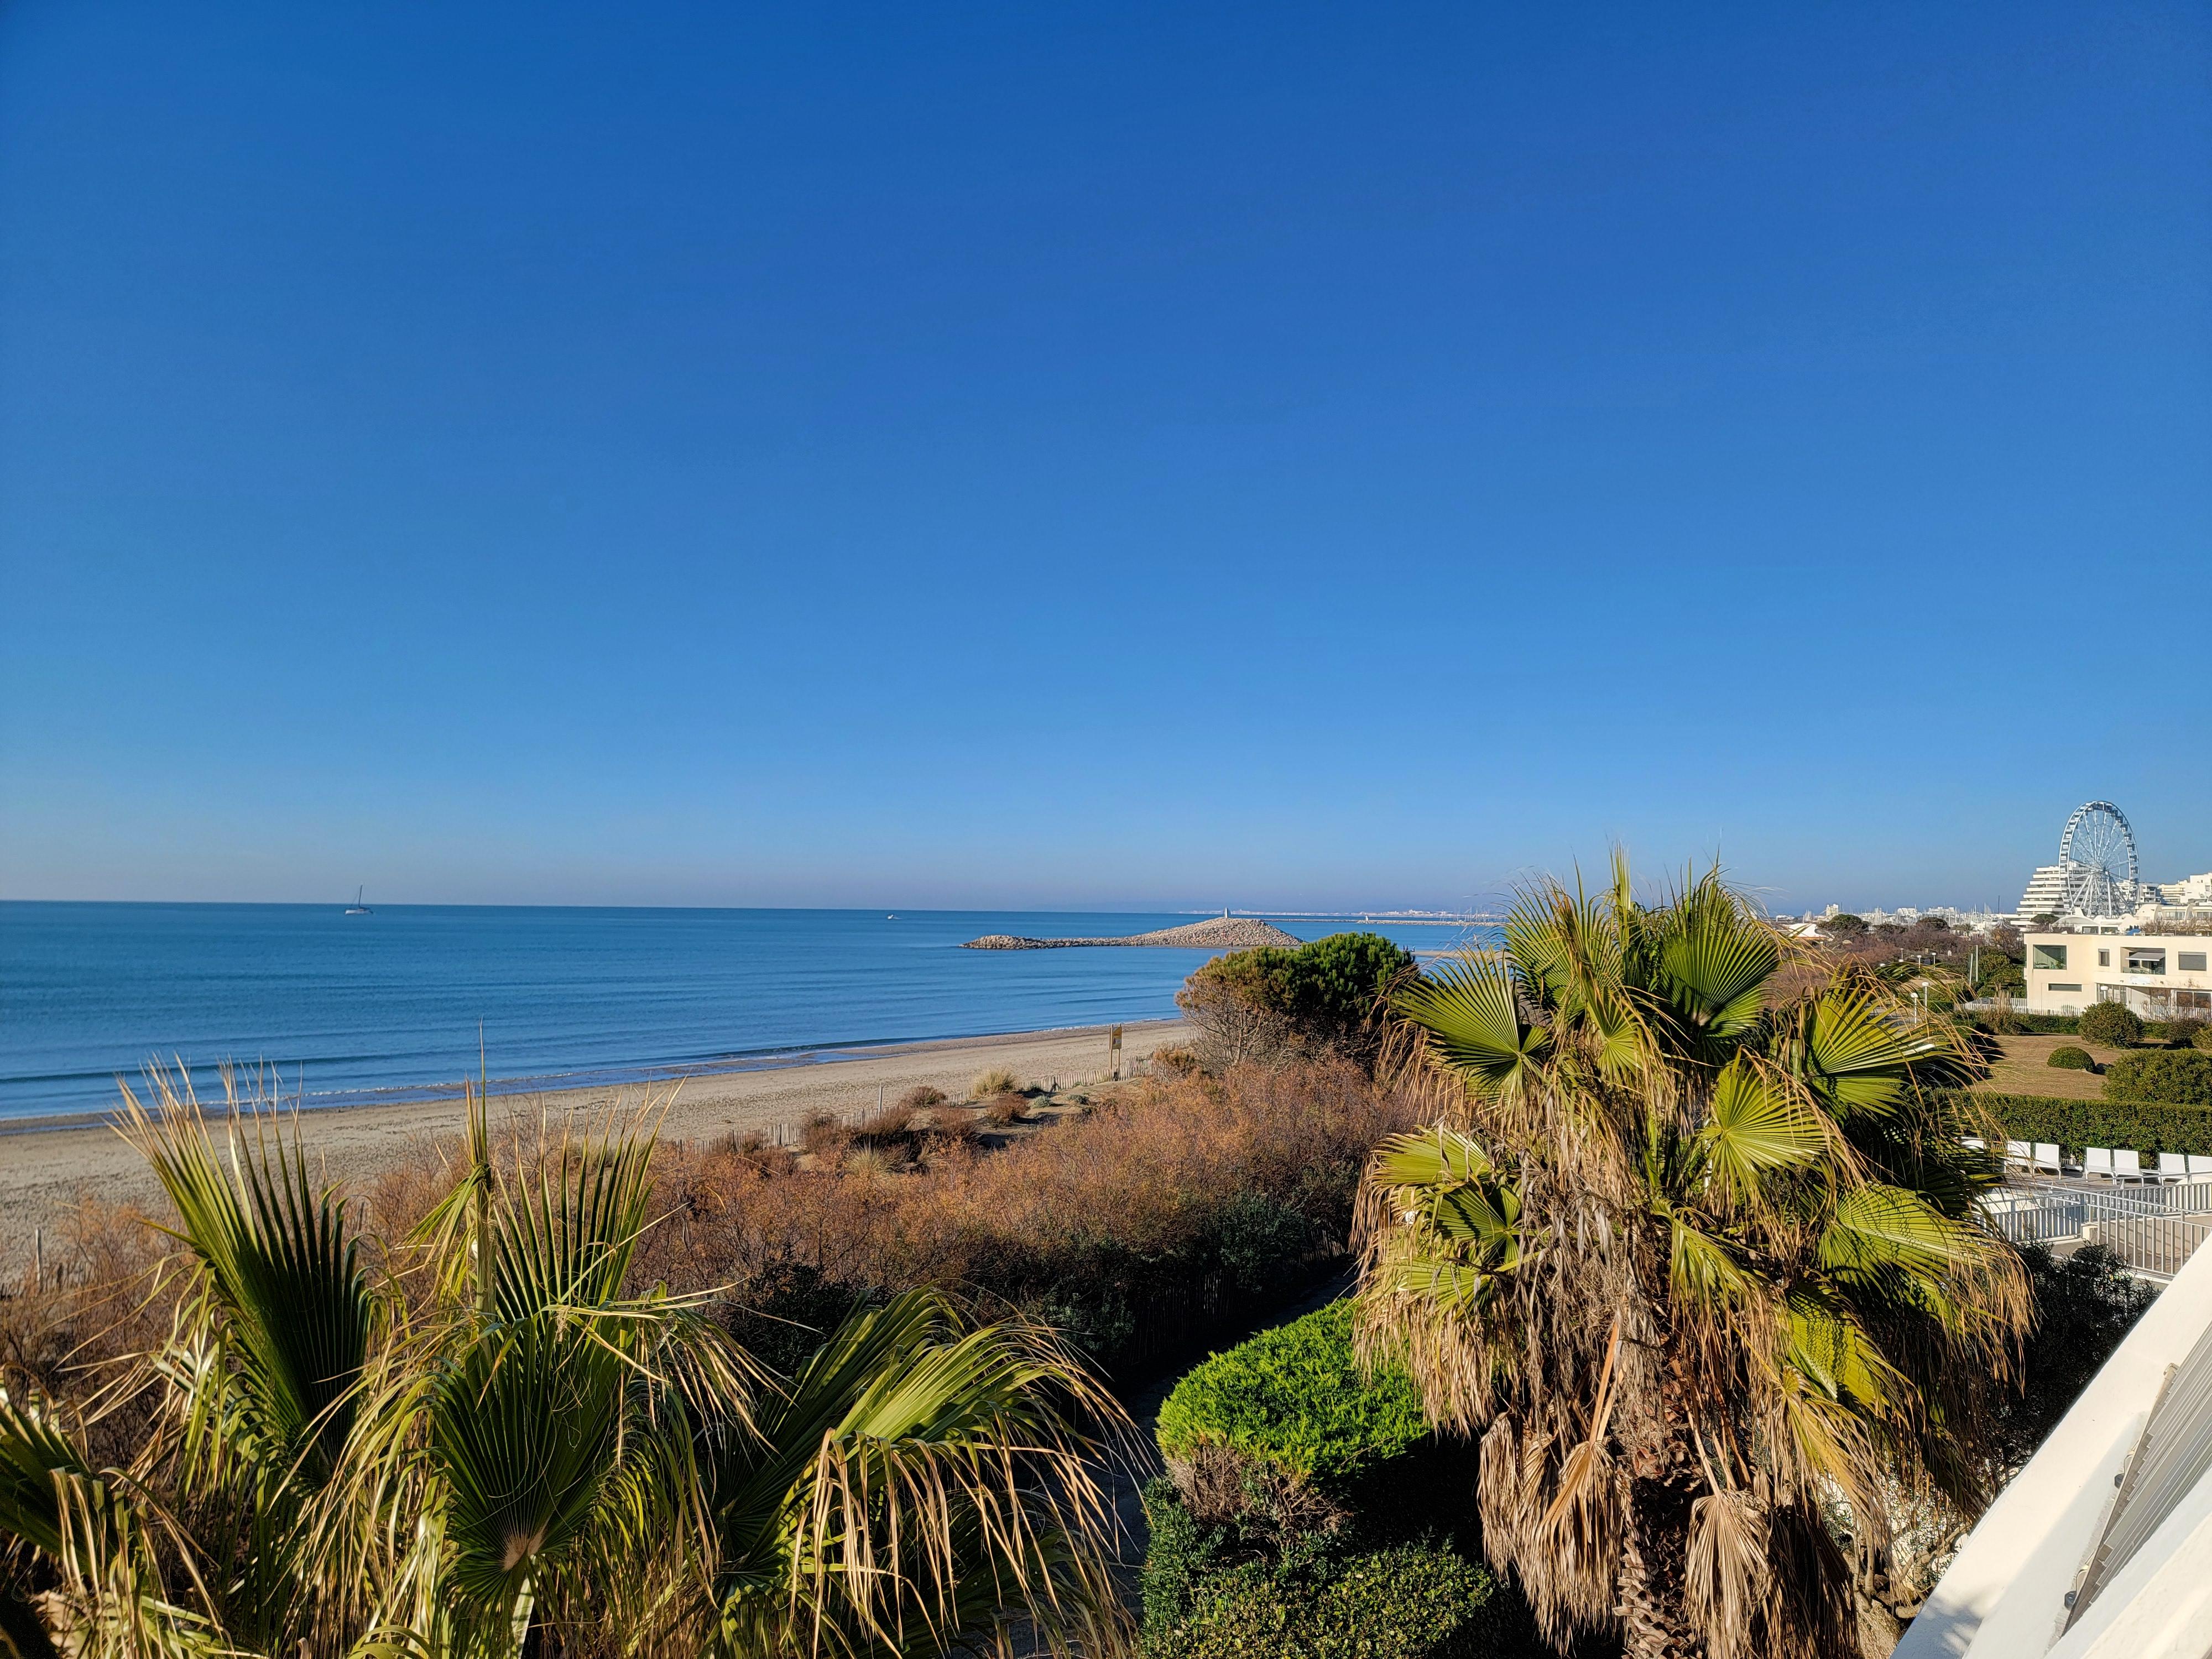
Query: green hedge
x=1415, y=1600
x=2034, y=1025
x=2073, y=1124
x=1295, y=1397
x=2179, y=1076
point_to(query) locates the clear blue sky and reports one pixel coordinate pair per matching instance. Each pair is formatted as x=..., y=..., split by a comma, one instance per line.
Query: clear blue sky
x=919, y=455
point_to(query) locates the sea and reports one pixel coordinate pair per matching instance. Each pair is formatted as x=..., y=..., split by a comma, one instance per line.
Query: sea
x=340, y=1009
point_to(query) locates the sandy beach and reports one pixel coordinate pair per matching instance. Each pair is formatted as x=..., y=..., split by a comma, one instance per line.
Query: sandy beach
x=45, y=1172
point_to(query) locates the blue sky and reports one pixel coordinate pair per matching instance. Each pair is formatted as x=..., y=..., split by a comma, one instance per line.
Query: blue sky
x=1112, y=456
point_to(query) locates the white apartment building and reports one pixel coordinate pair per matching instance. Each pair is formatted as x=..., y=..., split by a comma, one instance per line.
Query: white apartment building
x=2157, y=975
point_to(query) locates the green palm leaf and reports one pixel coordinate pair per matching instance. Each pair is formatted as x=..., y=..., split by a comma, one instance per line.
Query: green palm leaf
x=284, y=1276
x=884, y=1486
x=524, y=1433
x=1864, y=1061
x=1469, y=1011
x=1716, y=961
x=1753, y=1129
x=1880, y=1231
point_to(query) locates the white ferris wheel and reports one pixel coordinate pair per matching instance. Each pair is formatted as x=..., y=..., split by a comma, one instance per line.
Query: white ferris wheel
x=2096, y=855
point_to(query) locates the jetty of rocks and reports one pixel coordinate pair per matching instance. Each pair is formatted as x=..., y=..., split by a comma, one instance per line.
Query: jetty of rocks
x=1215, y=934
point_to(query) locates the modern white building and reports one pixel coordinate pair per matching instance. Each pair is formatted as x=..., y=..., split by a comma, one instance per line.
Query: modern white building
x=2101, y=1547
x=2157, y=975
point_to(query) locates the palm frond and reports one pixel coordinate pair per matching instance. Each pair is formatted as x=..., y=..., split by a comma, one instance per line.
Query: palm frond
x=1753, y=1129
x=1715, y=961
x=1472, y=1018
x=280, y=1268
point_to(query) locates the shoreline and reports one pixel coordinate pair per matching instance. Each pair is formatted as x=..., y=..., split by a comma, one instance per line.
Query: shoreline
x=49, y=1167
x=608, y=1078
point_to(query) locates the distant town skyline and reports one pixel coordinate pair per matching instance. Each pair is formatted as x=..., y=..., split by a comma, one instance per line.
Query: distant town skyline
x=1097, y=456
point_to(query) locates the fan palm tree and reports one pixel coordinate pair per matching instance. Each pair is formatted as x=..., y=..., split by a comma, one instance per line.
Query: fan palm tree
x=483, y=1443
x=1692, y=1248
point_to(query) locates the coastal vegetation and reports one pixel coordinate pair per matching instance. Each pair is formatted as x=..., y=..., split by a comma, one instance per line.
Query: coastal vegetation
x=1311, y=1508
x=1329, y=996
x=1673, y=1300
x=2068, y=1058
x=731, y=1315
x=1690, y=1249
x=484, y=1436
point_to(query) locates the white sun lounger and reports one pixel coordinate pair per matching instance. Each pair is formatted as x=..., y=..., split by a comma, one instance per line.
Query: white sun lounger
x=2046, y=1156
x=2200, y=1166
x=2173, y=1166
x=2127, y=1165
x=2095, y=1160
x=1974, y=1142
x=2019, y=1152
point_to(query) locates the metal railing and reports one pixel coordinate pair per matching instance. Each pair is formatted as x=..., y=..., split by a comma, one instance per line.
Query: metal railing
x=2154, y=1227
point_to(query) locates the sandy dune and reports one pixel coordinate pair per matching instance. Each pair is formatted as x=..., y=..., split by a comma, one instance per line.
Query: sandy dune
x=44, y=1172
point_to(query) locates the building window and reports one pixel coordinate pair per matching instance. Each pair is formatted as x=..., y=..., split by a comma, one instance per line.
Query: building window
x=2191, y=962
x=2193, y=1002
x=2104, y=958
x=2056, y=986
x=2049, y=956
x=2146, y=962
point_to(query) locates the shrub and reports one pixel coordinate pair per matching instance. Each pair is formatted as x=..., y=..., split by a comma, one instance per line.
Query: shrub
x=2085, y=1305
x=996, y=1081
x=1005, y=1108
x=822, y=1133
x=1414, y=1601
x=2038, y=1024
x=2073, y=1124
x=921, y=1098
x=1132, y=1228
x=893, y=1123
x=2177, y=1077
x=2070, y=1059
x=1294, y=1398
x=2111, y=1024
x=1324, y=995
x=2202, y=1038
x=1175, y=1061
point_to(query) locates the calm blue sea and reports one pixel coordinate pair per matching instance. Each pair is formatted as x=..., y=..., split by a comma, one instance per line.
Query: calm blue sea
x=371, y=1007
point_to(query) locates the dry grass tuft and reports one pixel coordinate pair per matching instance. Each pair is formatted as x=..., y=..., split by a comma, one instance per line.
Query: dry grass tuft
x=996, y=1081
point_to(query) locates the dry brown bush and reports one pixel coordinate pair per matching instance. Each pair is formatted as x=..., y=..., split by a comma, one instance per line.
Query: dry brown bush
x=1175, y=1061
x=1006, y=1108
x=1122, y=1208
x=823, y=1135
x=921, y=1098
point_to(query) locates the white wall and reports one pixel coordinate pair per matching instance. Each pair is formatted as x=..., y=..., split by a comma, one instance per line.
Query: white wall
x=2070, y=989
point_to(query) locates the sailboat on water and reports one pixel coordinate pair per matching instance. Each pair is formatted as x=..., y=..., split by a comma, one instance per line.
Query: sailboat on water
x=358, y=908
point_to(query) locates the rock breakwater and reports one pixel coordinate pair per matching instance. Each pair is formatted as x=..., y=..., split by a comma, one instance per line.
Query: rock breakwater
x=1215, y=934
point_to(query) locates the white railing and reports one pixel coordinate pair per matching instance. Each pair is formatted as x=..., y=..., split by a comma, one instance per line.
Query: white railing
x=2154, y=1228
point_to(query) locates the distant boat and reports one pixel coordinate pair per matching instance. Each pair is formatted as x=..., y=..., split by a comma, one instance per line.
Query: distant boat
x=357, y=908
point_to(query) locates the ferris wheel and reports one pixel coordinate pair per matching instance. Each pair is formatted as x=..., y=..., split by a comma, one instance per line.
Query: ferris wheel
x=2097, y=855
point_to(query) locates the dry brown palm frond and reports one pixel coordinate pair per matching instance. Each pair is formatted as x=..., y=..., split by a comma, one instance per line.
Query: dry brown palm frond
x=1728, y=1583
